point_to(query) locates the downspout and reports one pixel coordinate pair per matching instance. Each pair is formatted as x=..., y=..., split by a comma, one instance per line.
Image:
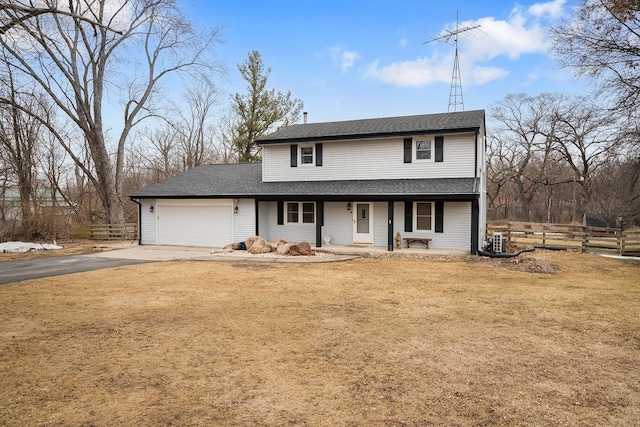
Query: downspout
x=390, y=215
x=139, y=219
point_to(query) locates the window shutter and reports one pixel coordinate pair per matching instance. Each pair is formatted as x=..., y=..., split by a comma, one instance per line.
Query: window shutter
x=439, y=217
x=408, y=145
x=280, y=213
x=439, y=148
x=408, y=217
x=319, y=154
x=294, y=155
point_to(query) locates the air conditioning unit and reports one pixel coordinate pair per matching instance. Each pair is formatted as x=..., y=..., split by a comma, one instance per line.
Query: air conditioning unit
x=498, y=244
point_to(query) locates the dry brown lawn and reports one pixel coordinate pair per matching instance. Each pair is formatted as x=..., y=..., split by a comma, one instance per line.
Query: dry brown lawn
x=553, y=340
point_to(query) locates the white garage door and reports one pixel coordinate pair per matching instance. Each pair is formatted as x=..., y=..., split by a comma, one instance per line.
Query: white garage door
x=195, y=222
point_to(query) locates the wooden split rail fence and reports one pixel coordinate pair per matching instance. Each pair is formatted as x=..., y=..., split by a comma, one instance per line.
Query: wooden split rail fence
x=107, y=232
x=567, y=236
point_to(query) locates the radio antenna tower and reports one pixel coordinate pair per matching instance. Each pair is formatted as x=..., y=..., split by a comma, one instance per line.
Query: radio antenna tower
x=455, y=93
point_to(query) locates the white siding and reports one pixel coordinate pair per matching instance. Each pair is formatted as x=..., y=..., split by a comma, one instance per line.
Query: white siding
x=244, y=222
x=380, y=223
x=265, y=221
x=371, y=159
x=148, y=235
x=338, y=223
x=456, y=227
x=289, y=232
x=483, y=191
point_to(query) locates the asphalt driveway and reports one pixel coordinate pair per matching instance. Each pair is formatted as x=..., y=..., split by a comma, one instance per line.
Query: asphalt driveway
x=17, y=271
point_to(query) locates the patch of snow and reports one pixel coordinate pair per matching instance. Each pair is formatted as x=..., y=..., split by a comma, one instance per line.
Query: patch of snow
x=26, y=247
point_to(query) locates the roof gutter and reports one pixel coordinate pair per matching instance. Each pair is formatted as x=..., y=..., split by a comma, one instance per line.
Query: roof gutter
x=349, y=137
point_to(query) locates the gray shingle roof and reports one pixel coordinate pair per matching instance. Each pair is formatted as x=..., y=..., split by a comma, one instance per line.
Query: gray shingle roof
x=245, y=180
x=370, y=128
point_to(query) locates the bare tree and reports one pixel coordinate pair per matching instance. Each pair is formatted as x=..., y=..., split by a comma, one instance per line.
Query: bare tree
x=81, y=66
x=518, y=141
x=195, y=129
x=19, y=135
x=616, y=189
x=18, y=11
x=156, y=152
x=545, y=152
x=585, y=136
x=601, y=41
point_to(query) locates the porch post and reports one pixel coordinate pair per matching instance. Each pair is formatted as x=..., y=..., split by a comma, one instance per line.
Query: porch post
x=257, y=216
x=319, y=223
x=390, y=227
x=475, y=225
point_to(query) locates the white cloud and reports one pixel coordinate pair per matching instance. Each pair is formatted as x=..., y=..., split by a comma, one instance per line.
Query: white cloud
x=554, y=9
x=480, y=75
x=510, y=38
x=348, y=60
x=345, y=58
x=419, y=72
x=522, y=33
x=403, y=42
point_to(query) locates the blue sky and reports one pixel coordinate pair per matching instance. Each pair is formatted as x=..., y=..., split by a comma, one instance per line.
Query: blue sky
x=355, y=59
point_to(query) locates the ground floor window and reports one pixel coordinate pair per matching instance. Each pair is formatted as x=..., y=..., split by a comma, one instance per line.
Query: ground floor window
x=423, y=216
x=301, y=212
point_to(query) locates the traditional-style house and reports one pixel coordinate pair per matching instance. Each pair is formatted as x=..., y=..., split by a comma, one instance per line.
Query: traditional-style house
x=356, y=182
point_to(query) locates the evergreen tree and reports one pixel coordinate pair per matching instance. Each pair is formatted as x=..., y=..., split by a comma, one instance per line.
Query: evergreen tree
x=259, y=111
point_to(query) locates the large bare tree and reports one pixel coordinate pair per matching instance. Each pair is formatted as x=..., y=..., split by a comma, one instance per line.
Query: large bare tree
x=518, y=142
x=602, y=41
x=100, y=52
x=545, y=150
x=19, y=136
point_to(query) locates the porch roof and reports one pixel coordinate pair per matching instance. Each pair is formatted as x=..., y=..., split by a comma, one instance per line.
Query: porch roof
x=244, y=180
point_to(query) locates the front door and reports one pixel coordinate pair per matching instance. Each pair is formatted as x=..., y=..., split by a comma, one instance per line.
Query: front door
x=363, y=223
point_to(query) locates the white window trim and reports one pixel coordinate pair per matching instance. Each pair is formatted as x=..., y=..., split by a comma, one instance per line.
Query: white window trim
x=313, y=154
x=431, y=139
x=300, y=214
x=415, y=218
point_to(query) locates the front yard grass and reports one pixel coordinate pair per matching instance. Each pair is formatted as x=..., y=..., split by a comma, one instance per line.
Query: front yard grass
x=552, y=340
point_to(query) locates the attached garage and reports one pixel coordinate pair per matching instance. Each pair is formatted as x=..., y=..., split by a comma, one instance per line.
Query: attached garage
x=193, y=222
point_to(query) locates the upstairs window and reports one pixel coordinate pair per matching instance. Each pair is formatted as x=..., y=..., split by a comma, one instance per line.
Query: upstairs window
x=423, y=149
x=306, y=155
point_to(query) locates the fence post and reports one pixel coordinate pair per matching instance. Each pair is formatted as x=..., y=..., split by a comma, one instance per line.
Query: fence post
x=509, y=231
x=584, y=239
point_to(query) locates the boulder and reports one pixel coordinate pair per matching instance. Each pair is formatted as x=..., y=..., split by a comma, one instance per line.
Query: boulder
x=249, y=242
x=302, y=248
x=283, y=248
x=233, y=246
x=258, y=246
